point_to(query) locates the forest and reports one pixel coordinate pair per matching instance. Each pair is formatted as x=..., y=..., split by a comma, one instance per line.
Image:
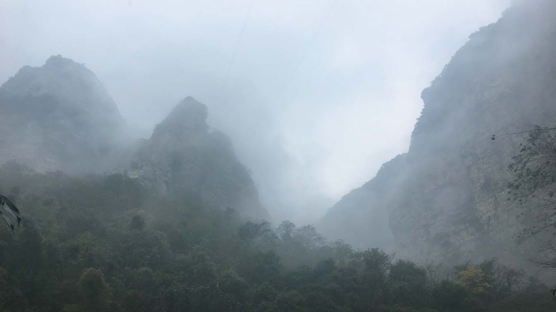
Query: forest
x=106, y=243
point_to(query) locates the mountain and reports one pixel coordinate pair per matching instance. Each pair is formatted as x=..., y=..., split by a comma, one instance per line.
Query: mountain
x=447, y=198
x=185, y=157
x=58, y=117
x=359, y=217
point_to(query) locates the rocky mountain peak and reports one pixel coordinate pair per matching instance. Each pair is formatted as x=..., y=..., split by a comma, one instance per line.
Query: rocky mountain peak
x=184, y=157
x=72, y=85
x=60, y=61
x=188, y=116
x=58, y=117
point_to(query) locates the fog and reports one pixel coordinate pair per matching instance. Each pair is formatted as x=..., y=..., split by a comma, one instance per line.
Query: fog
x=277, y=156
x=315, y=95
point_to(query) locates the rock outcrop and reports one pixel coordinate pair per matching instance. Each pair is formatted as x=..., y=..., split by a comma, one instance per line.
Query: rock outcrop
x=58, y=117
x=446, y=200
x=185, y=157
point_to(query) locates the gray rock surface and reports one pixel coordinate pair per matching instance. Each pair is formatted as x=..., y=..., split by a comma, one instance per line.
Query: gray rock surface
x=446, y=200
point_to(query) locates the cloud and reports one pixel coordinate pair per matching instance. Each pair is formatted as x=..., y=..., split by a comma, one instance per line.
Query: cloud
x=316, y=95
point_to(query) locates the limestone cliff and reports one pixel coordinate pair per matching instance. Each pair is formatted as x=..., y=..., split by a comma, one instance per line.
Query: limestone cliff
x=447, y=199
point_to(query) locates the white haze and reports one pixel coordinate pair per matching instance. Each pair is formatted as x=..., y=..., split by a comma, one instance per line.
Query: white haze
x=315, y=95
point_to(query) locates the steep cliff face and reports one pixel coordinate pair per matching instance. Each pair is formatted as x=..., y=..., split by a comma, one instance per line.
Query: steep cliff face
x=58, y=117
x=185, y=157
x=448, y=198
x=361, y=217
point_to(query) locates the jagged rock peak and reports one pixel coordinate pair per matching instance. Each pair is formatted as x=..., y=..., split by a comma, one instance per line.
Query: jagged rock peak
x=71, y=83
x=58, y=61
x=184, y=158
x=187, y=116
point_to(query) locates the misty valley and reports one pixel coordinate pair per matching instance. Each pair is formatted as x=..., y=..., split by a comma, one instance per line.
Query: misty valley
x=99, y=218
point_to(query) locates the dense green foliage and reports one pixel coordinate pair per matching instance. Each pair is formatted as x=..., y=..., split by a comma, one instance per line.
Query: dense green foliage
x=107, y=244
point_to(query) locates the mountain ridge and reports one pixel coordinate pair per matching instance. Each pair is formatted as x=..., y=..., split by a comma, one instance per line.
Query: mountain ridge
x=59, y=117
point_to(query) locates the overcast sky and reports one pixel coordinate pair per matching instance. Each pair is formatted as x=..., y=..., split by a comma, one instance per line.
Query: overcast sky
x=315, y=95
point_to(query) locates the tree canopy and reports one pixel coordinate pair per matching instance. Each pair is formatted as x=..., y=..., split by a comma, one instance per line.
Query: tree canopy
x=105, y=243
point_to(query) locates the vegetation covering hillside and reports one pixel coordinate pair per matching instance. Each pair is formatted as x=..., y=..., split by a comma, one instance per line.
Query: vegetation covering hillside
x=106, y=243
